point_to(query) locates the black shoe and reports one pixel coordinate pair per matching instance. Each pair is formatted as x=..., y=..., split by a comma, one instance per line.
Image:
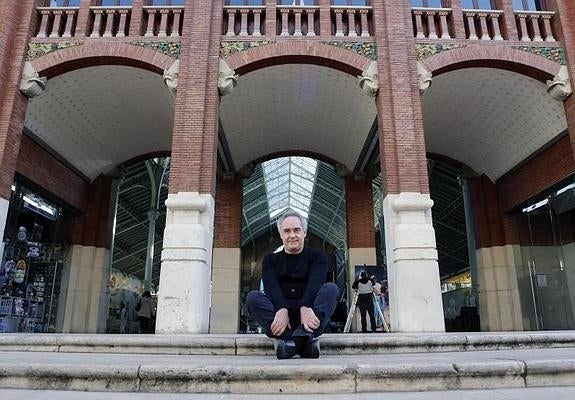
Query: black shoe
x=311, y=349
x=285, y=349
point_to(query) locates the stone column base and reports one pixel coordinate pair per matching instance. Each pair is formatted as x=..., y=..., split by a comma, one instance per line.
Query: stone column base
x=225, y=312
x=184, y=290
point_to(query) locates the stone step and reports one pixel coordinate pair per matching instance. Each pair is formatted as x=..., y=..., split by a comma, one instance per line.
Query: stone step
x=363, y=373
x=332, y=344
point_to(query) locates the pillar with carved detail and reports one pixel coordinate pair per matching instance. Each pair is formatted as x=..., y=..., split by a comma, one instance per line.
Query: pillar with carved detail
x=413, y=271
x=184, y=288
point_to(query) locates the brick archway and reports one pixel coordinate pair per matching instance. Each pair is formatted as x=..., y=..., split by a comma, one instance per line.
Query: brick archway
x=93, y=54
x=298, y=53
x=502, y=57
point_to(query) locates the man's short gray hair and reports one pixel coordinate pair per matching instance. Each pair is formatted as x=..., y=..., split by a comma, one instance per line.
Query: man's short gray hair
x=291, y=213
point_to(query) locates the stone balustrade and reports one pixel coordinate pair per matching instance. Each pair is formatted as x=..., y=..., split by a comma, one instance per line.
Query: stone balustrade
x=57, y=22
x=298, y=20
x=163, y=21
x=244, y=20
x=432, y=23
x=535, y=26
x=110, y=21
x=483, y=24
x=351, y=21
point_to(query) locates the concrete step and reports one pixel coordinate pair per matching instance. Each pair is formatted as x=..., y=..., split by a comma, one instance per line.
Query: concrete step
x=332, y=344
x=363, y=372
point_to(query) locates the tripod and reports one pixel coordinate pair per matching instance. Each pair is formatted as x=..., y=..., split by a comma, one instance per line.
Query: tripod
x=352, y=313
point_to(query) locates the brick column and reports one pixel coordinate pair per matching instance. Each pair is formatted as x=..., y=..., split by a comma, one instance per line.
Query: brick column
x=225, y=311
x=84, y=291
x=271, y=18
x=184, y=292
x=324, y=18
x=565, y=31
x=457, y=19
x=498, y=255
x=83, y=19
x=137, y=18
x=413, y=272
x=18, y=23
x=509, y=18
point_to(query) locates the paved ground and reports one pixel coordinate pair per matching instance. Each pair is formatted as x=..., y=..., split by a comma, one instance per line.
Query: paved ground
x=548, y=393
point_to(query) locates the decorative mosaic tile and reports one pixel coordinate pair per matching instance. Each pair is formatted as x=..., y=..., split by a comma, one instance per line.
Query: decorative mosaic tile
x=424, y=50
x=171, y=49
x=36, y=50
x=365, y=49
x=556, y=54
x=229, y=48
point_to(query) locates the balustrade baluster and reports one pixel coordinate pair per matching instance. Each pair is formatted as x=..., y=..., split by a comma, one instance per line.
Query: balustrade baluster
x=44, y=18
x=244, y=22
x=109, y=23
x=164, y=14
x=483, y=24
x=285, y=13
x=97, y=23
x=297, y=30
x=495, y=24
x=419, y=33
x=523, y=35
x=310, y=22
x=443, y=23
x=56, y=25
x=338, y=22
x=151, y=22
x=364, y=23
x=122, y=24
x=534, y=19
x=70, y=14
x=231, y=22
x=431, y=25
x=351, y=22
x=547, y=27
x=257, y=22
x=471, y=25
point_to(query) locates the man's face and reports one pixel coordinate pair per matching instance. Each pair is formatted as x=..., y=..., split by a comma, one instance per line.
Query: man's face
x=293, y=235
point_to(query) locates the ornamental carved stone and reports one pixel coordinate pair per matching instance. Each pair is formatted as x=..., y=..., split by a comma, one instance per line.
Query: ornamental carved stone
x=560, y=87
x=368, y=80
x=31, y=84
x=227, y=79
x=171, y=76
x=424, y=78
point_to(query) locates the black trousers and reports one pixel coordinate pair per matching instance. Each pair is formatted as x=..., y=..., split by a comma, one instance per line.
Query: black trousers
x=260, y=307
x=365, y=304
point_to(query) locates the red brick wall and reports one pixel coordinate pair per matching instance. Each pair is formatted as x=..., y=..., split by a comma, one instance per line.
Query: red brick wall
x=44, y=170
x=195, y=125
x=539, y=173
x=94, y=227
x=228, y=215
x=488, y=217
x=18, y=20
x=401, y=138
x=359, y=208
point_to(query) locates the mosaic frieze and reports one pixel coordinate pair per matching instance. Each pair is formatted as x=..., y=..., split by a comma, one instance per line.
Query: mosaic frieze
x=171, y=49
x=556, y=54
x=424, y=50
x=365, y=49
x=36, y=50
x=229, y=48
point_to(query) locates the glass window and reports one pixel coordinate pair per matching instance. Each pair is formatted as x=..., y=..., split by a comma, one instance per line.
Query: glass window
x=427, y=3
x=350, y=2
x=63, y=3
x=115, y=3
x=246, y=2
x=168, y=2
x=529, y=5
x=477, y=4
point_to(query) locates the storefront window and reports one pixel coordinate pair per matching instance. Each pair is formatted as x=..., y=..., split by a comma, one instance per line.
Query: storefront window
x=31, y=268
x=546, y=274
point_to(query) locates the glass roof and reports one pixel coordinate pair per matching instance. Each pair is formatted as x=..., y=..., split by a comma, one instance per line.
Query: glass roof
x=289, y=183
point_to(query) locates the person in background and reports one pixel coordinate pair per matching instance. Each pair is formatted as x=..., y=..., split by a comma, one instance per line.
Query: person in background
x=364, y=287
x=379, y=306
x=123, y=319
x=145, y=312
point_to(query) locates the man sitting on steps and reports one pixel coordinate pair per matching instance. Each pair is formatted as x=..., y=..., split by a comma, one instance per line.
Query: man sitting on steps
x=297, y=302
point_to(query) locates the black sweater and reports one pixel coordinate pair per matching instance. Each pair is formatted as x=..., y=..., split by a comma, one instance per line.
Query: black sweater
x=294, y=276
